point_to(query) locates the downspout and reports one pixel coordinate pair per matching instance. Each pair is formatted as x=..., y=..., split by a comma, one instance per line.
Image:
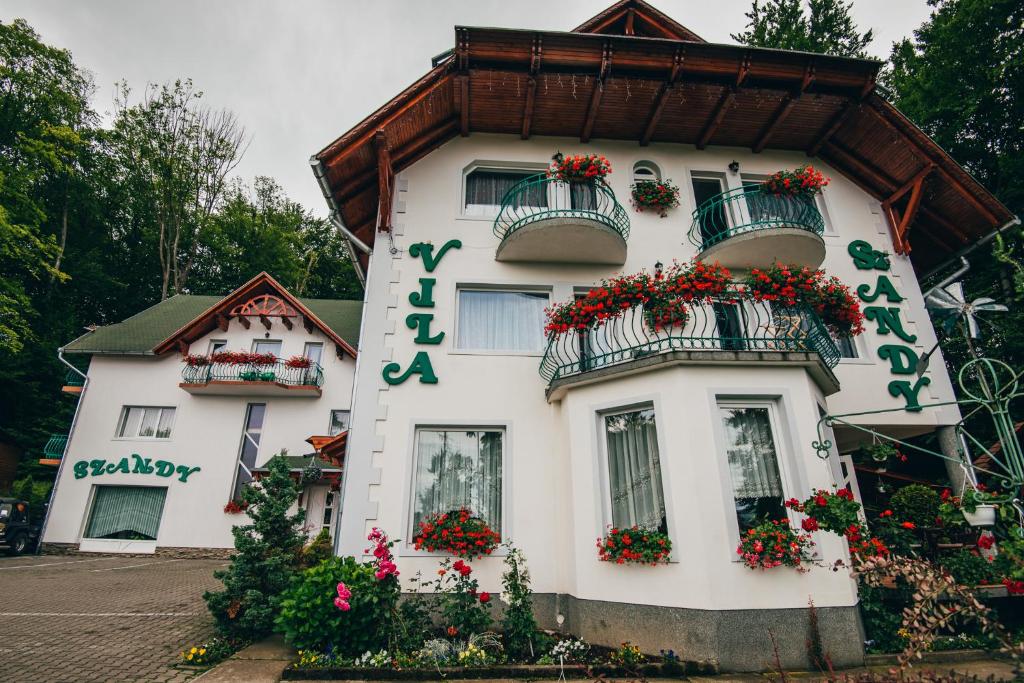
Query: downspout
x=64, y=455
x=970, y=248
x=965, y=266
x=351, y=240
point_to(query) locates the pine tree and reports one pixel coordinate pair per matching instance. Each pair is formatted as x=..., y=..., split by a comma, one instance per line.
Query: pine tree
x=268, y=553
x=784, y=24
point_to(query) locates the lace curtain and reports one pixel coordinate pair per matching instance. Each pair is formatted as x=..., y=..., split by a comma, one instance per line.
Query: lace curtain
x=753, y=465
x=501, y=321
x=457, y=469
x=634, y=470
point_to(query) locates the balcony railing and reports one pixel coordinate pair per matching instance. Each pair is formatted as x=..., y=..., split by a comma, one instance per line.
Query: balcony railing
x=73, y=379
x=54, y=448
x=541, y=200
x=748, y=209
x=278, y=373
x=720, y=325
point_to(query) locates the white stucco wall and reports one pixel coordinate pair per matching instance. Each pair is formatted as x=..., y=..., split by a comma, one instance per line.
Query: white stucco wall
x=552, y=501
x=207, y=433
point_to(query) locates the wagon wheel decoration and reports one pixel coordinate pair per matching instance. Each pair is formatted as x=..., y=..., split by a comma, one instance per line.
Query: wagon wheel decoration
x=265, y=304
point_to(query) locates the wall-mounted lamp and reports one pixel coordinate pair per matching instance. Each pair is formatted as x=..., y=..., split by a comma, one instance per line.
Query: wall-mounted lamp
x=734, y=167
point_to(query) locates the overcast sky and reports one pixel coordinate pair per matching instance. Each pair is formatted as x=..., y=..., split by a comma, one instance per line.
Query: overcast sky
x=299, y=73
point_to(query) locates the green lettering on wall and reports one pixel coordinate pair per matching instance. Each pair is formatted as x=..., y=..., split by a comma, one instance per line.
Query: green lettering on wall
x=121, y=466
x=421, y=323
x=184, y=472
x=81, y=469
x=420, y=366
x=902, y=359
x=425, y=251
x=888, y=320
x=865, y=257
x=425, y=297
x=882, y=286
x=142, y=465
x=909, y=392
x=97, y=467
x=164, y=468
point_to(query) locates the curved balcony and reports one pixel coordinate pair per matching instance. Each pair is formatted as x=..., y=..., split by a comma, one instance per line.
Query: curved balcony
x=244, y=379
x=546, y=219
x=750, y=228
x=54, y=449
x=721, y=331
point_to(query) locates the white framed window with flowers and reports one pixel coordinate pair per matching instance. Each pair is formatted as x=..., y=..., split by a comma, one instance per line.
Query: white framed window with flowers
x=634, y=487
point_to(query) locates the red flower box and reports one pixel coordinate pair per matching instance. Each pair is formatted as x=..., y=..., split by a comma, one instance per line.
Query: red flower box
x=578, y=167
x=298, y=362
x=634, y=546
x=457, y=533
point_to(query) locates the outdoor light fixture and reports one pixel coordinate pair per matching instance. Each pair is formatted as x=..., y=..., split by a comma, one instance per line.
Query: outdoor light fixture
x=734, y=167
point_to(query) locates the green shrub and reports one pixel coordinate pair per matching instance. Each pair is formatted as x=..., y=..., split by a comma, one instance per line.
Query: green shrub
x=881, y=610
x=916, y=503
x=518, y=624
x=318, y=550
x=969, y=568
x=309, y=619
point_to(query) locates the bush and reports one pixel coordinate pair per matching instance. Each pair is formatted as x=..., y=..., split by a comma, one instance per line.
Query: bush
x=518, y=623
x=310, y=620
x=268, y=550
x=465, y=610
x=318, y=550
x=916, y=503
x=969, y=568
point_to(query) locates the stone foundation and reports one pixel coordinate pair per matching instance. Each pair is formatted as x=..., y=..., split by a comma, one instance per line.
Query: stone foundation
x=174, y=553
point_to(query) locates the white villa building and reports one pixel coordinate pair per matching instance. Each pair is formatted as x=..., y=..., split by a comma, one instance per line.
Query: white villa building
x=459, y=398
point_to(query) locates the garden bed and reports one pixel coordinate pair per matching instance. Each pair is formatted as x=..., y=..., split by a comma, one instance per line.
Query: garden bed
x=507, y=671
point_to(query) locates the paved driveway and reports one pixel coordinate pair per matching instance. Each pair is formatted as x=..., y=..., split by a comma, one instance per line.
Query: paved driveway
x=100, y=618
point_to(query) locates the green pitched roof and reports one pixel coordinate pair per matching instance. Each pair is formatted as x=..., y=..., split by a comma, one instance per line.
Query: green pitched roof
x=300, y=462
x=140, y=333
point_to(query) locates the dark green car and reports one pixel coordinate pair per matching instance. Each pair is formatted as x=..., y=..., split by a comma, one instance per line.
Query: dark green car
x=18, y=534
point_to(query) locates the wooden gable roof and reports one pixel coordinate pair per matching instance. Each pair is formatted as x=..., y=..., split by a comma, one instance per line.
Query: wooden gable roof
x=602, y=82
x=262, y=297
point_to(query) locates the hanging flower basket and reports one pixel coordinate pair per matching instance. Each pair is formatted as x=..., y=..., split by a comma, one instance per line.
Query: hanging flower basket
x=774, y=544
x=312, y=473
x=804, y=181
x=655, y=195
x=577, y=168
x=456, y=533
x=634, y=546
x=983, y=515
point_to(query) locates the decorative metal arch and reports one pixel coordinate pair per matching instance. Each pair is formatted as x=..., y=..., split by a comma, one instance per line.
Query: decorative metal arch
x=265, y=304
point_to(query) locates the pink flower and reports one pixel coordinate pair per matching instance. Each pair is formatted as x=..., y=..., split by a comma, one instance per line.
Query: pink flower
x=343, y=592
x=342, y=604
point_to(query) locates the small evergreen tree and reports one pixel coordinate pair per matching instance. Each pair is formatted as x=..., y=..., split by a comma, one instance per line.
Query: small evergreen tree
x=268, y=551
x=517, y=622
x=828, y=28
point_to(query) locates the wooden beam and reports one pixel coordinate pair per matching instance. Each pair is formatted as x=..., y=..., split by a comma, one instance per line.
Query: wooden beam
x=462, y=63
x=630, y=19
x=307, y=324
x=598, y=91
x=724, y=102
x=912, y=183
x=182, y=347
x=788, y=102
x=662, y=97
x=744, y=69
x=833, y=125
x=222, y=323
x=531, y=88
x=265, y=320
x=287, y=322
x=245, y=321
x=385, y=181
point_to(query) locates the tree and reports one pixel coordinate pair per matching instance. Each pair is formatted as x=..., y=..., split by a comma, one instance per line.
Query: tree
x=268, y=553
x=784, y=24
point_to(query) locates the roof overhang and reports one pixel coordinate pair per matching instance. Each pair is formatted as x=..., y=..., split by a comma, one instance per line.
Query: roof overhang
x=649, y=89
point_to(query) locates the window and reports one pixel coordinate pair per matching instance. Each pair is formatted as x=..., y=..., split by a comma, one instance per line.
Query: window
x=847, y=347
x=495, y=320
x=646, y=170
x=314, y=351
x=266, y=346
x=140, y=422
x=634, y=470
x=328, y=511
x=753, y=464
x=217, y=345
x=713, y=221
x=250, y=447
x=458, y=468
x=485, y=189
x=339, y=422
x=762, y=207
x=730, y=325
x=126, y=512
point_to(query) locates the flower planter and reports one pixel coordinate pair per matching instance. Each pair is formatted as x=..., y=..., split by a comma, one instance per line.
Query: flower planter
x=500, y=671
x=983, y=515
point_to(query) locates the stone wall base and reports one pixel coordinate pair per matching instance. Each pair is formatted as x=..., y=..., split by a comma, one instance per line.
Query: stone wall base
x=174, y=553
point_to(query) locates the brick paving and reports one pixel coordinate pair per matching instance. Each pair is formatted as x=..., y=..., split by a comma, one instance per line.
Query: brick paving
x=87, y=618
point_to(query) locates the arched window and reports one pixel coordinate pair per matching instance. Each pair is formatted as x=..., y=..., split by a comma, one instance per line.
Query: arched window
x=646, y=170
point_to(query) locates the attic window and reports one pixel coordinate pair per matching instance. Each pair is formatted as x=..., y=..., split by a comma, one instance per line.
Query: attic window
x=486, y=188
x=646, y=170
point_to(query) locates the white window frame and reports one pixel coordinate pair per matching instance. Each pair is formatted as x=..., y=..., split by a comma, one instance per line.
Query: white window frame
x=788, y=469
x=606, y=475
x=648, y=165
x=279, y=342
x=511, y=289
x=305, y=351
x=333, y=507
x=218, y=344
x=407, y=548
x=123, y=417
x=723, y=180
x=488, y=212
x=241, y=442
x=330, y=419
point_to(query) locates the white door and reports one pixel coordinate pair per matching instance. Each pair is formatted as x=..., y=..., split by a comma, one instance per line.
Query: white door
x=316, y=498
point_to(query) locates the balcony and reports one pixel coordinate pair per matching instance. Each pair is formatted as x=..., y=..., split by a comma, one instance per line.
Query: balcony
x=751, y=228
x=550, y=220
x=722, y=331
x=73, y=383
x=53, y=451
x=246, y=379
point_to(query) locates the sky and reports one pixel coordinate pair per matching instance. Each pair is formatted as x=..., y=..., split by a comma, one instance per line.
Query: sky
x=299, y=73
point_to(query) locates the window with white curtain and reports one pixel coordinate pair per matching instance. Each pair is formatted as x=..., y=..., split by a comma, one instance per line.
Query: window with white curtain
x=753, y=458
x=126, y=512
x=458, y=468
x=486, y=188
x=501, y=320
x=145, y=422
x=634, y=470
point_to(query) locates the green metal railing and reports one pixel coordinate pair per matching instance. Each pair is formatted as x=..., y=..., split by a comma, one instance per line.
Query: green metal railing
x=722, y=324
x=54, y=448
x=751, y=208
x=73, y=379
x=276, y=373
x=540, y=198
